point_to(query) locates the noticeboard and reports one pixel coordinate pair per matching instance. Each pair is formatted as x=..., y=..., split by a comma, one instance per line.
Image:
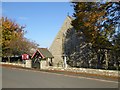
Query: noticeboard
x=25, y=57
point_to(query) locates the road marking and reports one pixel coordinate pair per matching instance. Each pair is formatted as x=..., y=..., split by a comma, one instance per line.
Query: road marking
x=68, y=75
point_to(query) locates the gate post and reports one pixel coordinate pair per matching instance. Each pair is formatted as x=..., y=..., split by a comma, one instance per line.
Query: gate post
x=28, y=63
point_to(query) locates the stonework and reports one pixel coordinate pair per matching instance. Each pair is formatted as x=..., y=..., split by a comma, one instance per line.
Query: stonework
x=97, y=72
x=57, y=46
x=28, y=63
x=43, y=64
x=71, y=43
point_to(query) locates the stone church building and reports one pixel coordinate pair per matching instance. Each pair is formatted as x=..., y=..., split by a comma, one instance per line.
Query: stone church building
x=57, y=46
x=72, y=44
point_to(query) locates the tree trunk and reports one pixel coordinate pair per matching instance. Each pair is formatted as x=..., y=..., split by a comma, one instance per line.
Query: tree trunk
x=106, y=57
x=8, y=59
x=98, y=57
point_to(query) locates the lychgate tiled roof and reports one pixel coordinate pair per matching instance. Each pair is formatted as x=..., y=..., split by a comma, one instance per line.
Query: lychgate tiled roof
x=44, y=52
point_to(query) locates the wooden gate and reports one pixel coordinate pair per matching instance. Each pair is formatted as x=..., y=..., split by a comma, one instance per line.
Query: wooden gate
x=36, y=63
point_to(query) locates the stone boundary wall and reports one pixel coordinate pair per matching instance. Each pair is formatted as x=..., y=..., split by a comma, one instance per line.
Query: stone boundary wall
x=27, y=65
x=111, y=73
x=16, y=64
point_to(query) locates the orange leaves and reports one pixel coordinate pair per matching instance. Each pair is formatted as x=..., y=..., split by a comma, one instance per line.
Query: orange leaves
x=87, y=24
x=13, y=41
x=9, y=31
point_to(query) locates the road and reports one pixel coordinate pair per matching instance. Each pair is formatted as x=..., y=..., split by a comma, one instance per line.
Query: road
x=19, y=78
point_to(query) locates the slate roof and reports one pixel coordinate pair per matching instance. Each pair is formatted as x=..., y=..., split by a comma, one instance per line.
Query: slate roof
x=70, y=17
x=44, y=52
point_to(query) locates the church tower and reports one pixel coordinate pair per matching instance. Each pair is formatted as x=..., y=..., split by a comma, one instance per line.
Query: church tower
x=57, y=46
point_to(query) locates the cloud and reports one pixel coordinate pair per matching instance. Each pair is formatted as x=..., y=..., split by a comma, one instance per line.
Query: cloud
x=23, y=18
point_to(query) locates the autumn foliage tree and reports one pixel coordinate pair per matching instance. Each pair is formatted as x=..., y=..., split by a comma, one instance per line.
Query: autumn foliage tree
x=13, y=40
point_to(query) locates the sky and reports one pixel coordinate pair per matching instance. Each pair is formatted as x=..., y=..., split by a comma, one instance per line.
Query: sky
x=43, y=20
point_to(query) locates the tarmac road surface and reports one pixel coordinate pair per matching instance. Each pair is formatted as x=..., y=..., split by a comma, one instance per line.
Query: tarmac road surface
x=19, y=78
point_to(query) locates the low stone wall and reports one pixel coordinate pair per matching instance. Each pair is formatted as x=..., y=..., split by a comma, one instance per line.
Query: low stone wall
x=27, y=64
x=16, y=64
x=111, y=73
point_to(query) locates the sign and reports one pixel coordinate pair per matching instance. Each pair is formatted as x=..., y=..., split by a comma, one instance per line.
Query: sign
x=25, y=57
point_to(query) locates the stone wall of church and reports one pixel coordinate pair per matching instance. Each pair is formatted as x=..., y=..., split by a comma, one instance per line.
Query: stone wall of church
x=57, y=46
x=73, y=44
x=78, y=51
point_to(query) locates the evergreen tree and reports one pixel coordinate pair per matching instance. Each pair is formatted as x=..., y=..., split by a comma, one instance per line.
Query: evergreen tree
x=97, y=21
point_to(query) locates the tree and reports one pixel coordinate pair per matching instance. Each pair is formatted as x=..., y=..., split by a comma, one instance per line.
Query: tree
x=19, y=46
x=113, y=15
x=116, y=50
x=9, y=30
x=112, y=12
x=13, y=40
x=96, y=21
x=88, y=19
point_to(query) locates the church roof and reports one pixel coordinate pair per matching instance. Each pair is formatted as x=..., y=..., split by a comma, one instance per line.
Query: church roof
x=44, y=52
x=70, y=17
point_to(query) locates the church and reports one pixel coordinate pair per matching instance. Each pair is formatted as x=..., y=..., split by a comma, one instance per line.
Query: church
x=57, y=46
x=68, y=42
